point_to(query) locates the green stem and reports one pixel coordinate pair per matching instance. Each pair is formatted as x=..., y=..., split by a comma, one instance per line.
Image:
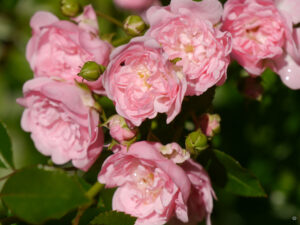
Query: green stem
x=94, y=190
x=103, y=116
x=91, y=193
x=110, y=19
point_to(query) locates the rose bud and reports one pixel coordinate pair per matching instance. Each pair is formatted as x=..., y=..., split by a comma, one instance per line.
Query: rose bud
x=210, y=124
x=120, y=129
x=134, y=25
x=91, y=71
x=70, y=7
x=196, y=142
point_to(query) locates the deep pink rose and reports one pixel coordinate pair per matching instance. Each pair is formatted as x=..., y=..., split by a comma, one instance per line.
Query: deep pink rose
x=62, y=122
x=200, y=203
x=259, y=31
x=59, y=48
x=188, y=31
x=120, y=129
x=142, y=82
x=150, y=187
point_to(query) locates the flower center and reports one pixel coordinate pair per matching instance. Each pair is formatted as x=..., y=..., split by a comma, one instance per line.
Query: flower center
x=144, y=74
x=148, y=186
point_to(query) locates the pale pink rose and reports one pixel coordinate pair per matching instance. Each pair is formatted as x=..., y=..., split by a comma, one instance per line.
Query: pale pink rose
x=60, y=48
x=120, y=129
x=174, y=152
x=61, y=121
x=150, y=187
x=187, y=31
x=259, y=32
x=134, y=5
x=200, y=203
x=142, y=82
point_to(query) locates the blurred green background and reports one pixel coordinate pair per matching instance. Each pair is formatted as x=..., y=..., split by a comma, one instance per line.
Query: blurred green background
x=264, y=136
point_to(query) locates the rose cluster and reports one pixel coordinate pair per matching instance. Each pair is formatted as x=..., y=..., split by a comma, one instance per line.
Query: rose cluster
x=185, y=51
x=62, y=115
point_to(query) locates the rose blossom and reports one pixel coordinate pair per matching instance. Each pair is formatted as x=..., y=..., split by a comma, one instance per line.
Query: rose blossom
x=120, y=129
x=200, y=203
x=142, y=82
x=59, y=48
x=150, y=187
x=62, y=122
x=187, y=31
x=263, y=36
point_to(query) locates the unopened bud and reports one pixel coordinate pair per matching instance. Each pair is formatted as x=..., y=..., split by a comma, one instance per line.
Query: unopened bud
x=210, y=124
x=120, y=129
x=134, y=25
x=251, y=87
x=196, y=142
x=91, y=71
x=70, y=8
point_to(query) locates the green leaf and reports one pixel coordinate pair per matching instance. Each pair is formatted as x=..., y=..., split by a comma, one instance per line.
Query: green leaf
x=105, y=199
x=38, y=194
x=113, y=218
x=239, y=180
x=6, y=159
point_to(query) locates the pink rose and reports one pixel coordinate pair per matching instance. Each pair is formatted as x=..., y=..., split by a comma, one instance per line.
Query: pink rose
x=200, y=203
x=187, y=31
x=259, y=32
x=59, y=48
x=120, y=129
x=62, y=122
x=136, y=5
x=142, y=82
x=150, y=187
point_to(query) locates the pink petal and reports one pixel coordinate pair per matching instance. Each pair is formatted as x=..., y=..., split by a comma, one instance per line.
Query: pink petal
x=289, y=8
x=289, y=71
x=207, y=9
